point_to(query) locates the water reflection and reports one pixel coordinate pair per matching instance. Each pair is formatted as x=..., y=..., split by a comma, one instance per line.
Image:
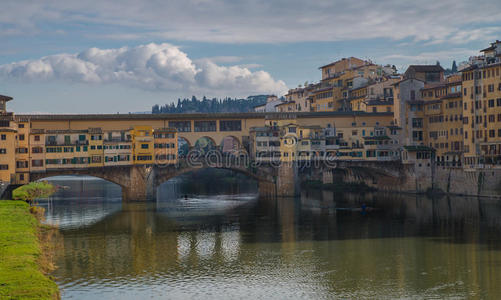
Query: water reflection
x=219, y=245
x=79, y=201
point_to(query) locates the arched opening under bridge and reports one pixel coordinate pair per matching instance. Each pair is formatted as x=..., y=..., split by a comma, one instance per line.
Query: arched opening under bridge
x=205, y=144
x=80, y=200
x=208, y=189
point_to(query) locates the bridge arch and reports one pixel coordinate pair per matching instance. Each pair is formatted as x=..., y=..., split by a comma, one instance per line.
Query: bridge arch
x=165, y=174
x=81, y=173
x=205, y=144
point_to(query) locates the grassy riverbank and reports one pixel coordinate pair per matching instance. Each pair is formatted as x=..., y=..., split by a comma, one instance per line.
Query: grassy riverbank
x=21, y=262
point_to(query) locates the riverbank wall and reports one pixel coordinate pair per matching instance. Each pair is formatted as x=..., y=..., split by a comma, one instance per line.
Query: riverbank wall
x=482, y=182
x=23, y=263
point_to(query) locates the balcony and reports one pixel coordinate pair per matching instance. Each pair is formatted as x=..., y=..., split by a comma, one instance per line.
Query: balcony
x=74, y=143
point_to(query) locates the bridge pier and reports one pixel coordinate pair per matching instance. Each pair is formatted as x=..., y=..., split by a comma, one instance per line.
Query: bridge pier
x=267, y=189
x=287, y=183
x=327, y=177
x=141, y=186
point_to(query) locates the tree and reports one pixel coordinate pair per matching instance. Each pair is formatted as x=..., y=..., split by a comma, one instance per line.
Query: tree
x=207, y=105
x=454, y=67
x=32, y=191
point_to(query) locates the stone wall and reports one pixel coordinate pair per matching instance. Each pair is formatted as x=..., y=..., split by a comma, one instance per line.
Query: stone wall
x=485, y=182
x=417, y=178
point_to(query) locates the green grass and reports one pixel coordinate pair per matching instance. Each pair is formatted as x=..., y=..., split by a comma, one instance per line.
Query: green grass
x=20, y=273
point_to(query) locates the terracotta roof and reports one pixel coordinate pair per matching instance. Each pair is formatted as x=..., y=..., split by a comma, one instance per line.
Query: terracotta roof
x=194, y=116
x=398, y=82
x=5, y=98
x=488, y=49
x=286, y=102
x=426, y=68
x=333, y=63
x=473, y=67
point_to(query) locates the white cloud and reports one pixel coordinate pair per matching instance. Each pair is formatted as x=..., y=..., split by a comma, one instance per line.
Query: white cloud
x=229, y=21
x=161, y=67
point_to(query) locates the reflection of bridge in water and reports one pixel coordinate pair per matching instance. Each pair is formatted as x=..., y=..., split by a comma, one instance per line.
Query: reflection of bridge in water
x=162, y=246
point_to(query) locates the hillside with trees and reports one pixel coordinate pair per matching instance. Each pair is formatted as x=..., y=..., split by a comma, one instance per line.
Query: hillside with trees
x=213, y=105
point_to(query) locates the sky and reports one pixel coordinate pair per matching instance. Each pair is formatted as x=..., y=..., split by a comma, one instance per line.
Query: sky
x=100, y=56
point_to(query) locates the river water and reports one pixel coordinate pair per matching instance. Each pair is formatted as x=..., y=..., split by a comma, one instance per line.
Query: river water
x=202, y=240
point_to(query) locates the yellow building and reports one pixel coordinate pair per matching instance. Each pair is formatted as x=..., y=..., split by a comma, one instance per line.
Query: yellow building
x=444, y=120
x=482, y=114
x=142, y=144
x=288, y=142
x=117, y=147
x=7, y=153
x=96, y=147
x=357, y=98
x=3, y=104
x=37, y=150
x=66, y=149
x=323, y=99
x=300, y=97
x=166, y=146
x=22, y=151
x=265, y=143
x=377, y=106
x=8, y=132
x=426, y=73
x=287, y=106
x=333, y=69
x=346, y=136
x=310, y=142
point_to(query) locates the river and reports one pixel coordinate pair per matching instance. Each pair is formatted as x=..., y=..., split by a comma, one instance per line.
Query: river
x=204, y=240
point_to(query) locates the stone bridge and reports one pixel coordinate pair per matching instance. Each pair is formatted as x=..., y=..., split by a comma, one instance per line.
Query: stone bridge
x=140, y=182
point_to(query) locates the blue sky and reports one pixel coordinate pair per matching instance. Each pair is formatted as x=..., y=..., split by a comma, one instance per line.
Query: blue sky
x=99, y=56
